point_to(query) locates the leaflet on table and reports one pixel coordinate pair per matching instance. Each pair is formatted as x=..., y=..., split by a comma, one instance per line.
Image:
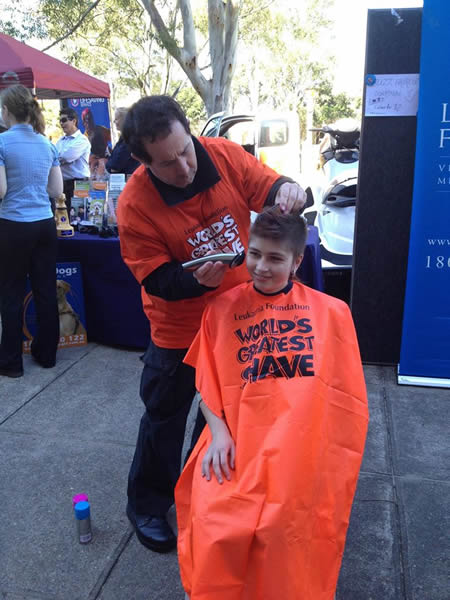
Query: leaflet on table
x=110, y=209
x=78, y=211
x=116, y=181
x=99, y=185
x=69, y=293
x=97, y=201
x=116, y=184
x=81, y=189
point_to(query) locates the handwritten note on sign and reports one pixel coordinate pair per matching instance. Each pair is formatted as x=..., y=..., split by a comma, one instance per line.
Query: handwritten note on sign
x=392, y=95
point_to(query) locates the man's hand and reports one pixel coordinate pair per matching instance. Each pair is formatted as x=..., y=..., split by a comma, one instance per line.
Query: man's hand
x=210, y=274
x=290, y=197
x=221, y=453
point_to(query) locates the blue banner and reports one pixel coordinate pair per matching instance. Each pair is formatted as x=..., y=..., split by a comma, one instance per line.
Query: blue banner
x=425, y=348
x=69, y=294
x=94, y=122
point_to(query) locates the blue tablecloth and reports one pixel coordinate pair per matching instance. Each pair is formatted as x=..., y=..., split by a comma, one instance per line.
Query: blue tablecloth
x=112, y=296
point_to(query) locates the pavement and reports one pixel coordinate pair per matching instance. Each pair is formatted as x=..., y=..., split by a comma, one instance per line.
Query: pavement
x=72, y=429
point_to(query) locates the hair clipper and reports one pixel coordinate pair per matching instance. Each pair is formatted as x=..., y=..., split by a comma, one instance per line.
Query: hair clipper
x=231, y=259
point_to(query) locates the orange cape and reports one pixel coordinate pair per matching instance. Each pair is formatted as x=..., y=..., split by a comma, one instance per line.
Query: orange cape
x=285, y=373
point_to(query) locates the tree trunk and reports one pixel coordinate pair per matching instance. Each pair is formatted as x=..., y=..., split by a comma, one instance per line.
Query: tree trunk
x=223, y=19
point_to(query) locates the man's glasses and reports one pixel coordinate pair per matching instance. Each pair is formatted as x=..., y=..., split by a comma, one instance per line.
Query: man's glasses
x=65, y=119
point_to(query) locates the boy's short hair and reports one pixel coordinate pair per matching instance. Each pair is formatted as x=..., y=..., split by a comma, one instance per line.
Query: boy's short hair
x=290, y=228
x=150, y=119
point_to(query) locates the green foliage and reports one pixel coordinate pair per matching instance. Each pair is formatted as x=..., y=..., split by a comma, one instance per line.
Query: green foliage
x=21, y=22
x=50, y=109
x=330, y=107
x=285, y=49
x=282, y=51
x=115, y=41
x=193, y=106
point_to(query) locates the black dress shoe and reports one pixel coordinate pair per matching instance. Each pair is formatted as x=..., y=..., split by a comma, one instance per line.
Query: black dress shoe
x=11, y=372
x=44, y=363
x=153, y=532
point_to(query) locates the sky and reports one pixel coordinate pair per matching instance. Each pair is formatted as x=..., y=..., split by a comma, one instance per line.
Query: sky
x=350, y=19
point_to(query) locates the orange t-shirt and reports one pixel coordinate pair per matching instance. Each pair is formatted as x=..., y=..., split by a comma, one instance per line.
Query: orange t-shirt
x=153, y=233
x=285, y=373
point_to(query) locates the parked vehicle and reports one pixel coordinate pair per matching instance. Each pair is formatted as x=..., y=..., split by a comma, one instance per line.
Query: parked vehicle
x=332, y=198
x=273, y=138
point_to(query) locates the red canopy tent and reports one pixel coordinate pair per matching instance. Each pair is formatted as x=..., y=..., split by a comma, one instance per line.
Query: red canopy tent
x=48, y=77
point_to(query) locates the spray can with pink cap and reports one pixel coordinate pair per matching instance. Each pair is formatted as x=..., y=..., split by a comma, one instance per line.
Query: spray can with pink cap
x=82, y=510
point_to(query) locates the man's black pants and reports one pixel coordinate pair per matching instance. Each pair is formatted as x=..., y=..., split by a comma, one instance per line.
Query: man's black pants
x=28, y=249
x=167, y=390
x=68, y=189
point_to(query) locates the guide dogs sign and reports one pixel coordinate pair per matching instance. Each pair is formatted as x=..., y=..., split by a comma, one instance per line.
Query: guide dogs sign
x=69, y=293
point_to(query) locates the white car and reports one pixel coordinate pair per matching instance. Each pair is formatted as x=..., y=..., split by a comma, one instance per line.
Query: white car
x=273, y=138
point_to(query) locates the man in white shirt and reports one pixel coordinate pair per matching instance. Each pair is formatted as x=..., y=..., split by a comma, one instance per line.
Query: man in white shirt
x=74, y=149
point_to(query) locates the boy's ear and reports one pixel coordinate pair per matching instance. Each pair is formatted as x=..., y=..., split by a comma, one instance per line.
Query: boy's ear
x=297, y=262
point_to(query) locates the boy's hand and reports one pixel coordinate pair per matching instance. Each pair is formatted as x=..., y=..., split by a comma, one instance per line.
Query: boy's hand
x=220, y=448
